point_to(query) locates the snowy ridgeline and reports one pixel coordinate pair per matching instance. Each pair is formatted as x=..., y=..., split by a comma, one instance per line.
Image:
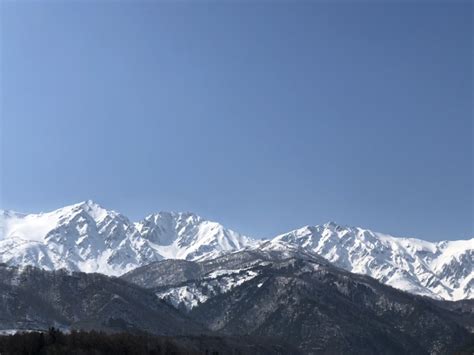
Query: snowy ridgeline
x=86, y=237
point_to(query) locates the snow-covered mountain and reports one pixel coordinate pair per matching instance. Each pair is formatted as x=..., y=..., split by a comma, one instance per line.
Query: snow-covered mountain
x=86, y=237
x=82, y=237
x=439, y=270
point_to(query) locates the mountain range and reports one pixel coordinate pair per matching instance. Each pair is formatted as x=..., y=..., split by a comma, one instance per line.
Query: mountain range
x=89, y=238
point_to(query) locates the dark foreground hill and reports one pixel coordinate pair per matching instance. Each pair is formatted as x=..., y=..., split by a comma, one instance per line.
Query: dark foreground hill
x=305, y=301
x=35, y=299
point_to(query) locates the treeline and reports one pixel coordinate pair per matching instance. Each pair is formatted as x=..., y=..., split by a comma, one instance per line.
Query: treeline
x=81, y=343
x=54, y=342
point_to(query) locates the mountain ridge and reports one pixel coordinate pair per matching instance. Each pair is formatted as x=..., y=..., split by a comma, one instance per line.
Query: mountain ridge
x=87, y=237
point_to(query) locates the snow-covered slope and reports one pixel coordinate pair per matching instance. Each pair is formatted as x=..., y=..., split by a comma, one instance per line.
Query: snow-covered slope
x=439, y=270
x=188, y=236
x=86, y=237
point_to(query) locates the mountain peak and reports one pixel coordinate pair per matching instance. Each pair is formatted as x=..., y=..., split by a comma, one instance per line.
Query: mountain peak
x=87, y=204
x=331, y=225
x=172, y=218
x=90, y=203
x=93, y=209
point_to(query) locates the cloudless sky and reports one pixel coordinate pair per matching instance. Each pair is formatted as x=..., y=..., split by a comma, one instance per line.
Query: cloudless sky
x=262, y=116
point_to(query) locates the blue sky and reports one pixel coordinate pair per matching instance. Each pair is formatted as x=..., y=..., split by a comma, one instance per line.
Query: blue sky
x=265, y=117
